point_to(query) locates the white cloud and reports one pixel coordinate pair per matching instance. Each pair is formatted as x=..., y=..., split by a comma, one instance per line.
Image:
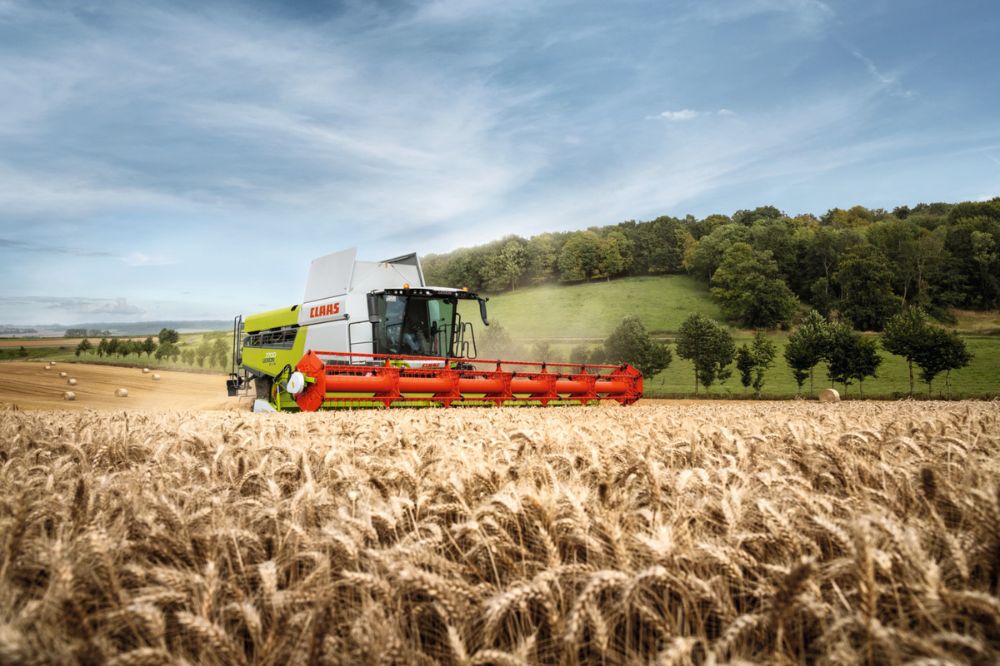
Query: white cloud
x=683, y=114
x=890, y=83
x=454, y=11
x=689, y=114
x=808, y=17
x=142, y=259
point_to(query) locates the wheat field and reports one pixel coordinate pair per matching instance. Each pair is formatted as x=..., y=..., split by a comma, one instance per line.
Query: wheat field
x=696, y=534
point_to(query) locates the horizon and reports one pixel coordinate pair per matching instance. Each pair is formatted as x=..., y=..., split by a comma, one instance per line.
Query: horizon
x=179, y=162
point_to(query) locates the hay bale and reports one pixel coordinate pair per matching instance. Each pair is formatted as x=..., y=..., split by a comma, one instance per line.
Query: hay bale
x=69, y=395
x=71, y=381
x=122, y=392
x=156, y=377
x=62, y=374
x=829, y=395
x=48, y=367
x=145, y=370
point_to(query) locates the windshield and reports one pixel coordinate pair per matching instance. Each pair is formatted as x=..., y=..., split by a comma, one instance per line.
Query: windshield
x=414, y=325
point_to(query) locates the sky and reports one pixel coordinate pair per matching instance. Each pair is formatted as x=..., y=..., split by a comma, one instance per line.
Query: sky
x=187, y=160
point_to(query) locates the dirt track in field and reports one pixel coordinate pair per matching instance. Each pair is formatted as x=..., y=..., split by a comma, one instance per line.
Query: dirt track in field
x=30, y=386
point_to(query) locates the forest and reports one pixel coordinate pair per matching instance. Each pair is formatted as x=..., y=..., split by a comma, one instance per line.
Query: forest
x=859, y=265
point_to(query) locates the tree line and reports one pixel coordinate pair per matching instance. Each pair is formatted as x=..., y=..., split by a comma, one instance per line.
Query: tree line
x=849, y=356
x=84, y=332
x=859, y=265
x=166, y=346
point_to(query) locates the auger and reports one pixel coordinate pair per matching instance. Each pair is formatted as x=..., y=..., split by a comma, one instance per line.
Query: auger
x=373, y=334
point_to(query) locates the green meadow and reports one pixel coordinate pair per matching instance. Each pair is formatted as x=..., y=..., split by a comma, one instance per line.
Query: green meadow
x=562, y=317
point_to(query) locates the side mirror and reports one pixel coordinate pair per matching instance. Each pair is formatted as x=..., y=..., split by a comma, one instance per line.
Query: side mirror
x=482, y=311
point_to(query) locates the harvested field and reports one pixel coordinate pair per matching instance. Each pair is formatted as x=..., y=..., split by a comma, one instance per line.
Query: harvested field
x=28, y=386
x=720, y=533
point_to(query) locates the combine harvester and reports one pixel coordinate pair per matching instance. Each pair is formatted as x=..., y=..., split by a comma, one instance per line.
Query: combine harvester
x=373, y=334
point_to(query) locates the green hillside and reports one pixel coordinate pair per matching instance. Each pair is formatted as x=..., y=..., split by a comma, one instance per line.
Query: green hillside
x=592, y=310
x=561, y=317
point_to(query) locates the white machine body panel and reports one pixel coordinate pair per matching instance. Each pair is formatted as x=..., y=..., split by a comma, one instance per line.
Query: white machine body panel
x=334, y=310
x=322, y=311
x=341, y=273
x=330, y=275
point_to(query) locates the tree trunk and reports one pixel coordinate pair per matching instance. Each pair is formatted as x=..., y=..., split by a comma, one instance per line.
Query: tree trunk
x=812, y=390
x=696, y=380
x=909, y=363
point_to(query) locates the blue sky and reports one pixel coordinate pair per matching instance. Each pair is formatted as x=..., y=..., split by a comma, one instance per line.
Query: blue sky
x=188, y=160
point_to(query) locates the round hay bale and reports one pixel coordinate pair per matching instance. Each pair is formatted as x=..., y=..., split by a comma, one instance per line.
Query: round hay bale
x=69, y=395
x=62, y=374
x=48, y=367
x=71, y=381
x=145, y=370
x=829, y=395
x=122, y=393
x=52, y=362
x=156, y=377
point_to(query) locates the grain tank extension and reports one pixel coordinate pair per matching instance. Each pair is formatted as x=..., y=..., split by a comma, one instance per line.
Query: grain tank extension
x=373, y=334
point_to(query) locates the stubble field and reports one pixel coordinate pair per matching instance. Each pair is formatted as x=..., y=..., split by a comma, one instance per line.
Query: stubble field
x=29, y=385
x=720, y=533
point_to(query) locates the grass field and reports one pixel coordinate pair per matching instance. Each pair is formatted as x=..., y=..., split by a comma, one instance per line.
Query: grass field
x=732, y=533
x=980, y=379
x=566, y=316
x=592, y=310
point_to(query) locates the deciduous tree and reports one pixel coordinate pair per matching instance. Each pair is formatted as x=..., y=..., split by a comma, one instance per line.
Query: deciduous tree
x=631, y=343
x=866, y=296
x=750, y=288
x=708, y=346
x=754, y=360
x=850, y=356
x=580, y=257
x=904, y=336
x=168, y=335
x=807, y=347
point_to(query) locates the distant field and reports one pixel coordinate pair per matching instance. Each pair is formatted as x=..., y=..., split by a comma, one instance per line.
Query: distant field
x=64, y=349
x=28, y=343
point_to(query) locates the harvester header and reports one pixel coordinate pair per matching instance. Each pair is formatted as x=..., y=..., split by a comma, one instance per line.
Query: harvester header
x=373, y=334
